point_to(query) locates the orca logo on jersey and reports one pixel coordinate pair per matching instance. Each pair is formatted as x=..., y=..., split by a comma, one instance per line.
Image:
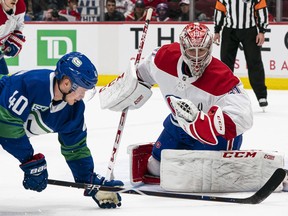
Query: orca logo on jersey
x=39, y=107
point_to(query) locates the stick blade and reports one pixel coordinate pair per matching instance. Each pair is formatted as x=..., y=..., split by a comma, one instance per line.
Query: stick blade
x=268, y=188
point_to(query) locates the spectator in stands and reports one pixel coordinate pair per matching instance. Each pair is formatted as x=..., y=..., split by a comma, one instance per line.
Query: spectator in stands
x=71, y=12
x=60, y=4
x=185, y=12
x=162, y=13
x=204, y=10
x=112, y=14
x=52, y=14
x=153, y=3
x=56, y=17
x=29, y=12
x=271, y=18
x=200, y=16
x=174, y=9
x=139, y=12
x=35, y=9
x=184, y=7
x=125, y=6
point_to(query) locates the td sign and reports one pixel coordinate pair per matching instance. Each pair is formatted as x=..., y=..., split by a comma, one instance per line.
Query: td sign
x=53, y=44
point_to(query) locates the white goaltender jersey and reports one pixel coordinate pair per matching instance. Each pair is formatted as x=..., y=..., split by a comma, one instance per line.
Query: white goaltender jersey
x=217, y=86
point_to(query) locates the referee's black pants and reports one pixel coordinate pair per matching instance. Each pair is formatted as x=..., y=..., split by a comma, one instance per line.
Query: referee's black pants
x=231, y=38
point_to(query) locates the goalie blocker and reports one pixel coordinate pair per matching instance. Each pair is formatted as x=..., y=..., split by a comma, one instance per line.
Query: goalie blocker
x=125, y=91
x=206, y=171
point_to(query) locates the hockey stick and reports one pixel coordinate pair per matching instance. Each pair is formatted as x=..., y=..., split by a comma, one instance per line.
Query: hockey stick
x=2, y=55
x=111, y=164
x=273, y=182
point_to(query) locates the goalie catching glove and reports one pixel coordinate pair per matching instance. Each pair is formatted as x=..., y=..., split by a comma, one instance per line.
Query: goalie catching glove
x=125, y=91
x=199, y=125
x=104, y=199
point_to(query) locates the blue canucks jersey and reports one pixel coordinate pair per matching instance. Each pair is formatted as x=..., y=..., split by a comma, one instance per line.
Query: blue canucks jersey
x=27, y=109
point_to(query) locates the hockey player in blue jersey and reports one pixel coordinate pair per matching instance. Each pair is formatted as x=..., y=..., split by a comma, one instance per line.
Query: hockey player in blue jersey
x=45, y=101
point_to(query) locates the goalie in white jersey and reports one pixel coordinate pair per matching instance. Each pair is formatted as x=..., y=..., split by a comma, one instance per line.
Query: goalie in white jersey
x=210, y=110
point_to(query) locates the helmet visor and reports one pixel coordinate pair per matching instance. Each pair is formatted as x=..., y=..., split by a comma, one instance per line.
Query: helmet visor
x=81, y=93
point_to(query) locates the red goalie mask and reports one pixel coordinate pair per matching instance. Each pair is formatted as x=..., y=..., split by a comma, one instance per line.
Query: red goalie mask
x=196, y=47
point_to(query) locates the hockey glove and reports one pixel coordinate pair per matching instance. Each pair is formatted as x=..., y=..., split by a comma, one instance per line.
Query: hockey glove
x=35, y=173
x=199, y=125
x=104, y=199
x=183, y=108
x=13, y=44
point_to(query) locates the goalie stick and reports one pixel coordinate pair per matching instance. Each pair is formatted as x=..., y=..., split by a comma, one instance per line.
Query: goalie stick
x=273, y=182
x=2, y=54
x=111, y=164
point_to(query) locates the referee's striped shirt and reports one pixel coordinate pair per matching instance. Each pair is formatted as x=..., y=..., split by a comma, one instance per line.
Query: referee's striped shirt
x=241, y=14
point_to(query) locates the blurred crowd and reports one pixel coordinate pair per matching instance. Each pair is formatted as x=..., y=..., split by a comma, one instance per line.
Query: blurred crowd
x=118, y=10
x=52, y=10
x=126, y=10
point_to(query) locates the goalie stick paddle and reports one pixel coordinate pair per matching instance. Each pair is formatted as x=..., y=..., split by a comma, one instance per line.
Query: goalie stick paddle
x=273, y=182
x=111, y=164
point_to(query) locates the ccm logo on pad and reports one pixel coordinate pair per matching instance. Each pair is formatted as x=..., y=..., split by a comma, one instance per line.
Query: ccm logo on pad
x=239, y=154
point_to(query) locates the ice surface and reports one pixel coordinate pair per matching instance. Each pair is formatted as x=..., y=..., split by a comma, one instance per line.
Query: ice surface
x=269, y=132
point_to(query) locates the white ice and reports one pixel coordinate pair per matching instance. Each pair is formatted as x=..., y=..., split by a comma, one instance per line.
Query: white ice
x=269, y=132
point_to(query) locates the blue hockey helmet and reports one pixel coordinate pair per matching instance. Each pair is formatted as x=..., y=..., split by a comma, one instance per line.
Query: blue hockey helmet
x=78, y=68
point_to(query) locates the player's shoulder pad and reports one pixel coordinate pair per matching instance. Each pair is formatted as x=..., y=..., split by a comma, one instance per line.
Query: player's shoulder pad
x=217, y=78
x=3, y=17
x=20, y=7
x=167, y=57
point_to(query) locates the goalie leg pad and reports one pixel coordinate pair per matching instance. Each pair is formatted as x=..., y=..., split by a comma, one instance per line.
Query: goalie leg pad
x=139, y=155
x=217, y=171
